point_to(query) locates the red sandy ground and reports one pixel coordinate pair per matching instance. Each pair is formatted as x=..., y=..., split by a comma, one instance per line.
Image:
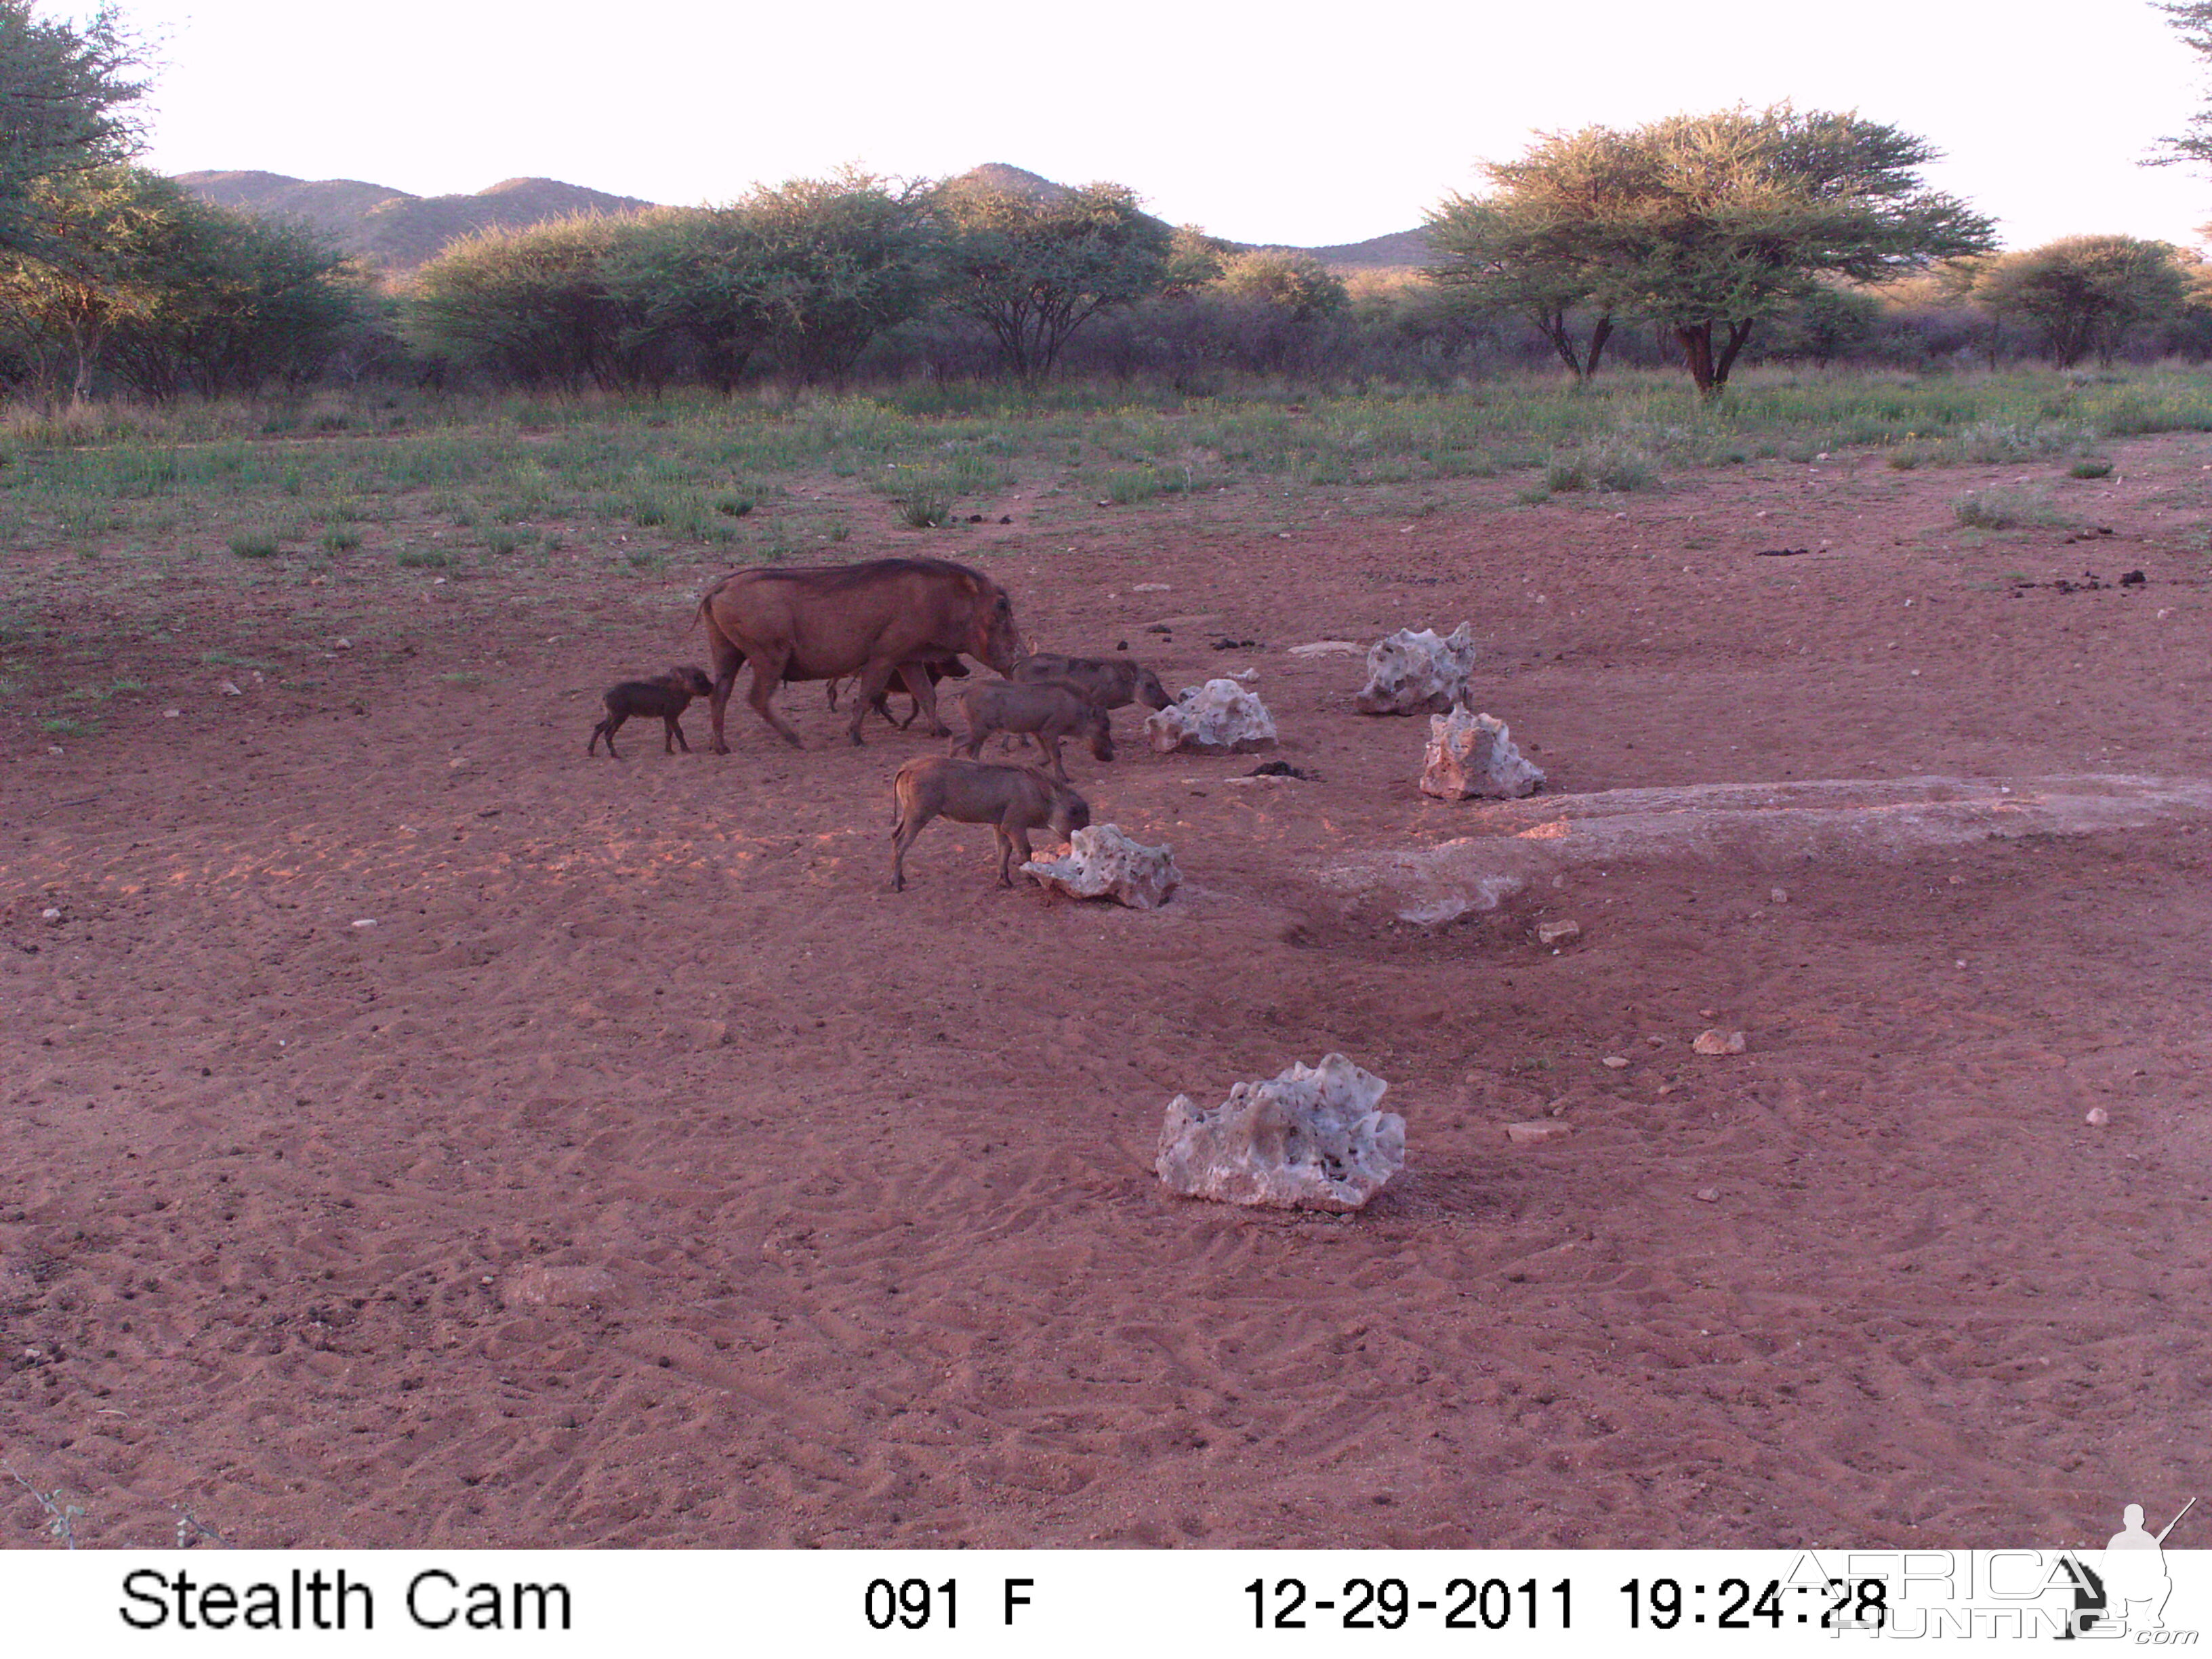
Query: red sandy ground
x=650, y=1174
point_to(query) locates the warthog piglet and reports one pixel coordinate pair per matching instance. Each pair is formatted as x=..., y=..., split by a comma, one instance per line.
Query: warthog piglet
x=1109, y=681
x=1012, y=800
x=667, y=696
x=1050, y=711
x=941, y=668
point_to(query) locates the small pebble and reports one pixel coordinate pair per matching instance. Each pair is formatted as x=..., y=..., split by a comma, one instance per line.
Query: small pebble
x=1708, y=1194
x=1616, y=1062
x=366, y=922
x=2097, y=1116
x=1714, y=1041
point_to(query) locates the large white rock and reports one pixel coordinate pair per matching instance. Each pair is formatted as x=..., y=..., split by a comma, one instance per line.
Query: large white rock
x=1472, y=756
x=1217, y=718
x=1310, y=1139
x=1409, y=672
x=1100, y=862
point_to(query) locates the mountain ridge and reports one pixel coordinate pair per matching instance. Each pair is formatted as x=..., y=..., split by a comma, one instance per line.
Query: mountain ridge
x=398, y=231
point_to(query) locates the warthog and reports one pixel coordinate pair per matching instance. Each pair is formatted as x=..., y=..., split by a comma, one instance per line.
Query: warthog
x=866, y=619
x=940, y=669
x=1049, y=711
x=667, y=696
x=1012, y=800
x=1111, y=682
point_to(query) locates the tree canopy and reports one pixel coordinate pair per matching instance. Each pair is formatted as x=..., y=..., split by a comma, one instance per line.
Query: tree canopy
x=1035, y=268
x=62, y=90
x=164, y=293
x=1703, y=224
x=2083, y=294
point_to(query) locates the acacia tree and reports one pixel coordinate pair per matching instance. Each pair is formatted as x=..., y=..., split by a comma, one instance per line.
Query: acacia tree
x=62, y=93
x=1517, y=251
x=841, y=260
x=2083, y=294
x=1706, y=224
x=152, y=287
x=1034, y=269
x=2192, y=20
x=693, y=279
x=542, y=306
x=1285, y=280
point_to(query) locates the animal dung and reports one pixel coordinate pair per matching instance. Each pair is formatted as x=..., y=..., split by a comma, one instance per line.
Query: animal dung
x=1220, y=717
x=1409, y=672
x=1310, y=1138
x=1472, y=756
x=1102, y=862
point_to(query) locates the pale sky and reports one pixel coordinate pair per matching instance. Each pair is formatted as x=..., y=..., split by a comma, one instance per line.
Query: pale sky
x=1291, y=123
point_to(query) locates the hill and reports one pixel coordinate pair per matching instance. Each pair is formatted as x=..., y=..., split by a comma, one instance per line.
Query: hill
x=1401, y=250
x=392, y=229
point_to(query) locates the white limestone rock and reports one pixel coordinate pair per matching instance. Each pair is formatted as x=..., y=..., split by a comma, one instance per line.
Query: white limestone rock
x=1408, y=673
x=1472, y=756
x=1310, y=1139
x=1102, y=862
x=1220, y=717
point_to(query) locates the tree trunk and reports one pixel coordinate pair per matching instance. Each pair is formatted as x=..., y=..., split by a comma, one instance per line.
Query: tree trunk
x=1551, y=324
x=1738, y=333
x=1697, y=340
x=1600, y=333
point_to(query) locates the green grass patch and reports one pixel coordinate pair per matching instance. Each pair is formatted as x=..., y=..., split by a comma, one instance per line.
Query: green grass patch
x=254, y=544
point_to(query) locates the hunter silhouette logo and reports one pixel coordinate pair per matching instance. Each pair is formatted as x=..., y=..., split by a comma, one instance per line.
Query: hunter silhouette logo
x=2128, y=1590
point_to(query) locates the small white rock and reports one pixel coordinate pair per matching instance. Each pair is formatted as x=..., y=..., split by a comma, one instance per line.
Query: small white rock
x=1714, y=1041
x=229, y=690
x=1708, y=1194
x=1150, y=588
x=366, y=922
x=1218, y=717
x=1616, y=1062
x=1471, y=756
x=1530, y=1135
x=2097, y=1116
x=1410, y=673
x=1552, y=934
x=171, y=714
x=50, y=913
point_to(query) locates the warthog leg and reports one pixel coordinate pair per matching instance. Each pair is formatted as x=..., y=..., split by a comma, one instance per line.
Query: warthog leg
x=1013, y=837
x=902, y=835
x=768, y=675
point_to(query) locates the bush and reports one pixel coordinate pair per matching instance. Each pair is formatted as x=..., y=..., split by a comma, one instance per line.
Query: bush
x=2006, y=509
x=2090, y=469
x=254, y=544
x=544, y=307
x=924, y=511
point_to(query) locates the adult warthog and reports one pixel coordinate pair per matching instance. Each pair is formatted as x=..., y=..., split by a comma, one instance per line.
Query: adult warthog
x=866, y=620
